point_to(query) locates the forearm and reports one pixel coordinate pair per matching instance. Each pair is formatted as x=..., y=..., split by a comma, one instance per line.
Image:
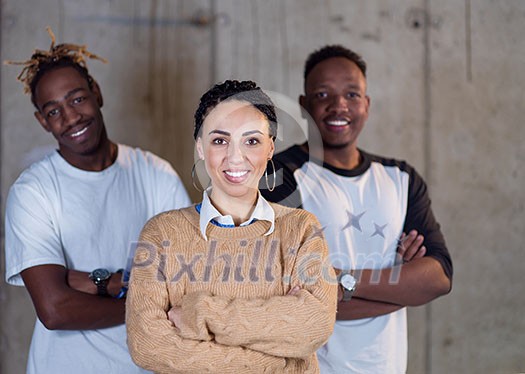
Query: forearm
x=287, y=326
x=59, y=307
x=156, y=345
x=358, y=308
x=80, y=311
x=412, y=284
x=79, y=281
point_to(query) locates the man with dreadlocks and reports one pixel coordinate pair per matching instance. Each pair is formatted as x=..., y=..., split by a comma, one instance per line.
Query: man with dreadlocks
x=72, y=217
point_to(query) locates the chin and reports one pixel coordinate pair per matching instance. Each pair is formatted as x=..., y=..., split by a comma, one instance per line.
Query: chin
x=239, y=191
x=330, y=145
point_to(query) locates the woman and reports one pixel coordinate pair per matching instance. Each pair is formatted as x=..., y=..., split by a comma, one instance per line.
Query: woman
x=233, y=284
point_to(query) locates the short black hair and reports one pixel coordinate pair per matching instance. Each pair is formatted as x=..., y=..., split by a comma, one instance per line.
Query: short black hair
x=236, y=90
x=54, y=64
x=331, y=51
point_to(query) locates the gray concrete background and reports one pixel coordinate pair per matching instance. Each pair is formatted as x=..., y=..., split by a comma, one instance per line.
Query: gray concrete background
x=447, y=82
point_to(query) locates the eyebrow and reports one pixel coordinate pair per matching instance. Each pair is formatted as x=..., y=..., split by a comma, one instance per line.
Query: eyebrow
x=67, y=96
x=226, y=133
x=325, y=86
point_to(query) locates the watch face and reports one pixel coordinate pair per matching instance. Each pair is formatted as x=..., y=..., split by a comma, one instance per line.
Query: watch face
x=348, y=281
x=100, y=274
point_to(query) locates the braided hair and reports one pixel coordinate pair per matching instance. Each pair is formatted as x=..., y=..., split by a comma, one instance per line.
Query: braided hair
x=236, y=90
x=58, y=56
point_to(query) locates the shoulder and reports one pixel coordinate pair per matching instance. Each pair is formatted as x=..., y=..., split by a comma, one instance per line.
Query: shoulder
x=175, y=218
x=294, y=216
x=152, y=168
x=37, y=178
x=416, y=184
x=402, y=165
x=138, y=156
x=293, y=157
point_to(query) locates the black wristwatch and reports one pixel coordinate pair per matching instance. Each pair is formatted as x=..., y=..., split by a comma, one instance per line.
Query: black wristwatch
x=101, y=279
x=348, y=284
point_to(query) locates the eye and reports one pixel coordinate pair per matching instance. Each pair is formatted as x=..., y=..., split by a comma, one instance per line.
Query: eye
x=353, y=95
x=321, y=95
x=78, y=100
x=52, y=113
x=219, y=141
x=253, y=141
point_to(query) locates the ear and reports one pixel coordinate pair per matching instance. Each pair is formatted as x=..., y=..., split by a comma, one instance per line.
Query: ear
x=40, y=118
x=302, y=104
x=367, y=104
x=200, y=150
x=272, y=149
x=98, y=94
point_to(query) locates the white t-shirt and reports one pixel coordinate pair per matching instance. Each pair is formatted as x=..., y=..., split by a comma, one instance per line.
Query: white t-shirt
x=363, y=212
x=362, y=217
x=58, y=214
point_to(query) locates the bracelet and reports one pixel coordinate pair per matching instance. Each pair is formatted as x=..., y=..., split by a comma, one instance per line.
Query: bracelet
x=123, y=292
x=125, y=278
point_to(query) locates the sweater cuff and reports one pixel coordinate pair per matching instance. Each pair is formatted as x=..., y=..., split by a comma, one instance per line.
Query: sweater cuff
x=194, y=311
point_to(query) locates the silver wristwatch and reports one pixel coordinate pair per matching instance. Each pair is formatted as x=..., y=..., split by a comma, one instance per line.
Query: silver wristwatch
x=348, y=284
x=101, y=279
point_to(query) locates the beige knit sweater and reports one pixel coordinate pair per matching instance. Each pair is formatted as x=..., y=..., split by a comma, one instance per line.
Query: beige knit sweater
x=236, y=314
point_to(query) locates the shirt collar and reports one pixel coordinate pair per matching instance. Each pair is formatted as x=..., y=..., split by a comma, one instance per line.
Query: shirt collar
x=209, y=214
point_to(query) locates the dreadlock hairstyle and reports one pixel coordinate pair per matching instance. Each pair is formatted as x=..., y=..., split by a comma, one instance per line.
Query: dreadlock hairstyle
x=330, y=51
x=58, y=56
x=235, y=90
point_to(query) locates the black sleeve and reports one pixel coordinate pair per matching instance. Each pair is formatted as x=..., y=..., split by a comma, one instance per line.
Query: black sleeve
x=284, y=165
x=421, y=218
x=286, y=191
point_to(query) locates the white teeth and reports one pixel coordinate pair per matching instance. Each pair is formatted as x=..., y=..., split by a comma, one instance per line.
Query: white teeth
x=78, y=133
x=337, y=123
x=236, y=174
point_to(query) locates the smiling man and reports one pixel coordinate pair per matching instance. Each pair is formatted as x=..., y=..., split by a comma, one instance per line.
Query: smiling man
x=367, y=205
x=72, y=217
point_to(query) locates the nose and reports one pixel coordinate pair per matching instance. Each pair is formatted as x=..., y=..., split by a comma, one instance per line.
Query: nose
x=235, y=154
x=338, y=103
x=71, y=115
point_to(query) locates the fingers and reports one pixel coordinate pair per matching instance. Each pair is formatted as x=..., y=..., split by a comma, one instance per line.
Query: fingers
x=411, y=246
x=174, y=316
x=294, y=291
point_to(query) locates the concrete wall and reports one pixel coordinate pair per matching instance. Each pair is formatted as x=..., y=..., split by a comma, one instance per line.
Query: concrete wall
x=447, y=82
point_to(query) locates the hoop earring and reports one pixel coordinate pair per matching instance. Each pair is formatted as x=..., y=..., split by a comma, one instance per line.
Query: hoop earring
x=266, y=176
x=193, y=176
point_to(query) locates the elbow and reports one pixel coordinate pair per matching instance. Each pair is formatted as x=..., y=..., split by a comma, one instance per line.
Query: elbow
x=316, y=338
x=443, y=286
x=436, y=288
x=440, y=286
x=52, y=319
x=141, y=355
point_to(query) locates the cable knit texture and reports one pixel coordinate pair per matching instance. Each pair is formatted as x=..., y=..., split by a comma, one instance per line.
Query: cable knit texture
x=232, y=289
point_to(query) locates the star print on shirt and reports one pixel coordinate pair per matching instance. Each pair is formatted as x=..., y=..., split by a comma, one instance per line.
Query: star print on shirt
x=353, y=221
x=379, y=230
x=318, y=232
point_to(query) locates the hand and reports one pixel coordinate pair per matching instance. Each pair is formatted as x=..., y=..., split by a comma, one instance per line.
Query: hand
x=294, y=291
x=410, y=246
x=175, y=316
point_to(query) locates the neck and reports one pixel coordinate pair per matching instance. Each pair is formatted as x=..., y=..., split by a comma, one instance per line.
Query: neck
x=240, y=208
x=97, y=160
x=343, y=158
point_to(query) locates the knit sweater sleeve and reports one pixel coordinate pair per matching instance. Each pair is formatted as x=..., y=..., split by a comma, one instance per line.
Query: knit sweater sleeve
x=285, y=326
x=154, y=343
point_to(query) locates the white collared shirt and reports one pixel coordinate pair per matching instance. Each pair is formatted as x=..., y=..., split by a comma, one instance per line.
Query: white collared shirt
x=209, y=214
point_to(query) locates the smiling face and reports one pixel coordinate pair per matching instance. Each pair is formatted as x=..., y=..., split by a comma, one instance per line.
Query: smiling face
x=335, y=97
x=70, y=110
x=235, y=145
